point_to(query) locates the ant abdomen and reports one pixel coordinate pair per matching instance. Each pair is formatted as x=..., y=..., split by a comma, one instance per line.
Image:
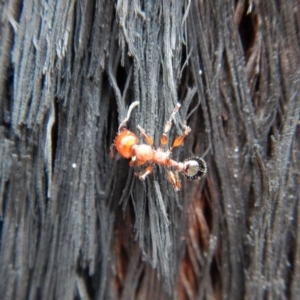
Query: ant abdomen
x=196, y=168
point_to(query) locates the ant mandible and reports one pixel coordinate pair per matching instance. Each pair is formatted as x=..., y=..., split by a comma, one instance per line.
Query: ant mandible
x=127, y=145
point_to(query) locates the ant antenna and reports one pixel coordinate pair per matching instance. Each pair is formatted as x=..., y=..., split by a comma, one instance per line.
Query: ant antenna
x=193, y=110
x=206, y=151
x=131, y=107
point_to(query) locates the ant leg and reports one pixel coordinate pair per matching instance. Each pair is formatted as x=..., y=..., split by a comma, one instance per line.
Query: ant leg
x=164, y=138
x=179, y=140
x=148, y=171
x=111, y=151
x=148, y=139
x=174, y=180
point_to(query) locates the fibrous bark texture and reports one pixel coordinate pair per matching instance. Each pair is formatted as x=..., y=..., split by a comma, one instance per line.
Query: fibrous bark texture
x=77, y=224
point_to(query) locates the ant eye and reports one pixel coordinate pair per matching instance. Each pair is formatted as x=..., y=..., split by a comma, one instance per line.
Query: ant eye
x=195, y=168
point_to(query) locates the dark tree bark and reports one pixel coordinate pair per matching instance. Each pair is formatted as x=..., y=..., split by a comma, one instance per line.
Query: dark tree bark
x=75, y=224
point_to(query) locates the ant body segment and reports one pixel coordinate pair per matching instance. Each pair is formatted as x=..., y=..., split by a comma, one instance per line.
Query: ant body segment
x=127, y=144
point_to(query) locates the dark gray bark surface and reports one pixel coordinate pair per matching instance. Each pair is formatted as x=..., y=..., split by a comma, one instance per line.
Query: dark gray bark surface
x=75, y=224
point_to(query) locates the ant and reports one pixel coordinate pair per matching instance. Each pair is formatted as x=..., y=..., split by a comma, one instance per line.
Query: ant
x=127, y=145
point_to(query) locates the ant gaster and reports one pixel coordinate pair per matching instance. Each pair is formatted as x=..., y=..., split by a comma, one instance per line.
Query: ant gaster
x=127, y=145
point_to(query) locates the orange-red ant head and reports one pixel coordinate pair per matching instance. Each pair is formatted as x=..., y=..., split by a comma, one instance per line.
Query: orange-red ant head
x=124, y=142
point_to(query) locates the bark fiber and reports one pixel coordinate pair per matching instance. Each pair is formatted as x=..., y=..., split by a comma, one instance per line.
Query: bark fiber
x=75, y=224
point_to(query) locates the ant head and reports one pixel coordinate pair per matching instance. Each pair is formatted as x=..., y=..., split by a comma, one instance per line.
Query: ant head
x=124, y=142
x=195, y=168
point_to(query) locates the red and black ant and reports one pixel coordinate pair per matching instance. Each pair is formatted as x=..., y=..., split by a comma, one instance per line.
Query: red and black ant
x=127, y=145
